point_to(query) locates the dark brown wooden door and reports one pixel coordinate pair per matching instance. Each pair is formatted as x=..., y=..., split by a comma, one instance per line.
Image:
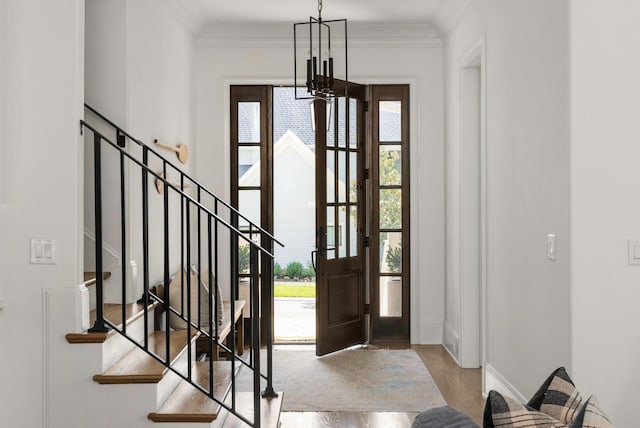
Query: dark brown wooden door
x=390, y=221
x=340, y=287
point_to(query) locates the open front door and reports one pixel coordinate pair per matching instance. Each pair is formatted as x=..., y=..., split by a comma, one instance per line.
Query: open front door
x=340, y=285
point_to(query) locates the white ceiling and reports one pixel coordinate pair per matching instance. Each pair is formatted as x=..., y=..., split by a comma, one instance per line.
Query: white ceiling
x=438, y=12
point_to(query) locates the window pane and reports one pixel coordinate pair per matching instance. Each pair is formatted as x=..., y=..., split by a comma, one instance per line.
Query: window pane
x=249, y=122
x=390, y=166
x=342, y=217
x=353, y=177
x=342, y=177
x=331, y=129
x=390, y=209
x=391, y=252
x=244, y=252
x=353, y=231
x=290, y=114
x=249, y=206
x=390, y=296
x=248, y=166
x=390, y=121
x=331, y=233
x=353, y=122
x=331, y=189
x=342, y=121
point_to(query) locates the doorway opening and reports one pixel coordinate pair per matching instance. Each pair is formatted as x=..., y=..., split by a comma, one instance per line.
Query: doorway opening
x=339, y=199
x=472, y=208
x=294, y=218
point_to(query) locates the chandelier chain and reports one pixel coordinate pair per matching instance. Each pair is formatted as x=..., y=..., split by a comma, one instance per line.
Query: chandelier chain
x=319, y=6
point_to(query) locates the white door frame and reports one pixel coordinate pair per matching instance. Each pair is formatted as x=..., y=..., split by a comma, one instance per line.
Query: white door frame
x=473, y=304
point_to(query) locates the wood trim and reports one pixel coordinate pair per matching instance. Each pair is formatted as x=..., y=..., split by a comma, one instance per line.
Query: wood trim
x=90, y=278
x=82, y=338
x=390, y=329
x=264, y=95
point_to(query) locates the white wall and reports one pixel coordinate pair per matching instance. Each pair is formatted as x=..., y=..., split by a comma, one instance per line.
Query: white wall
x=42, y=164
x=236, y=54
x=527, y=185
x=139, y=74
x=605, y=209
x=458, y=42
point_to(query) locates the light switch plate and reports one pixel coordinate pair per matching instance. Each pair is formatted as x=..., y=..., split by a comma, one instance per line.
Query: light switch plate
x=551, y=246
x=43, y=251
x=633, y=245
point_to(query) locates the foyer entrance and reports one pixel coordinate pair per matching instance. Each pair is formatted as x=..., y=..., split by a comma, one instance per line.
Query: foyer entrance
x=330, y=179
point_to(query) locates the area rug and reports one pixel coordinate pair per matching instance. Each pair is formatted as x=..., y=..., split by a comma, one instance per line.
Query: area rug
x=353, y=380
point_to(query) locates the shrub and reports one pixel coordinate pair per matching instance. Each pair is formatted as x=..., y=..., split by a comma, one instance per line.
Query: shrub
x=294, y=270
x=277, y=270
x=309, y=272
x=243, y=259
x=394, y=259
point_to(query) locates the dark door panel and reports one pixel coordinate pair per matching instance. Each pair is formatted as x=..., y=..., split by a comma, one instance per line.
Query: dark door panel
x=340, y=287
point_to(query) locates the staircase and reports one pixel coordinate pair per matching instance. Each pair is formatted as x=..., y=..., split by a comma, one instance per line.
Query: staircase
x=174, y=356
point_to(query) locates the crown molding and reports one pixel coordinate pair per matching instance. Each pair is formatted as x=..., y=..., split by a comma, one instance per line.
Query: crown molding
x=370, y=35
x=187, y=14
x=449, y=14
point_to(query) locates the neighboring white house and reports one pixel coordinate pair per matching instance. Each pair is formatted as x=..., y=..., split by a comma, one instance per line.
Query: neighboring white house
x=293, y=198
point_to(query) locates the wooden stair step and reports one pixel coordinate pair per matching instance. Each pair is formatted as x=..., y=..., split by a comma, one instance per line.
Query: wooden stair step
x=188, y=404
x=139, y=367
x=90, y=277
x=113, y=313
x=270, y=409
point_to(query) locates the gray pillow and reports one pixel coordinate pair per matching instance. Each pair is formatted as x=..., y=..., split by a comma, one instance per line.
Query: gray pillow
x=442, y=417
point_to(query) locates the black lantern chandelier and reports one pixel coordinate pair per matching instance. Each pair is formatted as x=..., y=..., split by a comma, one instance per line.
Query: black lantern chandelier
x=318, y=62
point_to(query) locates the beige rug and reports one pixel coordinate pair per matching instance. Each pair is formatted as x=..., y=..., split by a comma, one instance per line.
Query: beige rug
x=352, y=380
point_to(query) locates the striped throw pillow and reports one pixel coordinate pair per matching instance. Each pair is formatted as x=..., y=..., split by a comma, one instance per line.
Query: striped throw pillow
x=558, y=397
x=505, y=412
x=590, y=416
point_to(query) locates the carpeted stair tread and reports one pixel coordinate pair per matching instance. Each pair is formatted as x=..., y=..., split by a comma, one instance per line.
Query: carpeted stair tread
x=113, y=313
x=187, y=404
x=139, y=367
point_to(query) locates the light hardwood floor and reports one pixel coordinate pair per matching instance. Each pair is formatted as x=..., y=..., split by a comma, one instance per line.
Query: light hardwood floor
x=461, y=389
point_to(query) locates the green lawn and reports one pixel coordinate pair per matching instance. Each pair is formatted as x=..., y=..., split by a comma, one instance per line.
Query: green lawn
x=295, y=290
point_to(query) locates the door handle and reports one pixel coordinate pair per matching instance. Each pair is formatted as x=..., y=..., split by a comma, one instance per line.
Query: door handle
x=314, y=254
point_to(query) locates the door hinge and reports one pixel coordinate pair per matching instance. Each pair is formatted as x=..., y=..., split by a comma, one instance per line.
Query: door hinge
x=367, y=242
x=366, y=173
x=367, y=309
x=366, y=106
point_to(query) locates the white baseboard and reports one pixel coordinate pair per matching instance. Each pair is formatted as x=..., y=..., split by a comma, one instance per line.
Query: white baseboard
x=494, y=380
x=450, y=341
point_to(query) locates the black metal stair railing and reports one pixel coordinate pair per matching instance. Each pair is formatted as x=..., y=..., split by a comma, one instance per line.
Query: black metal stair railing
x=220, y=222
